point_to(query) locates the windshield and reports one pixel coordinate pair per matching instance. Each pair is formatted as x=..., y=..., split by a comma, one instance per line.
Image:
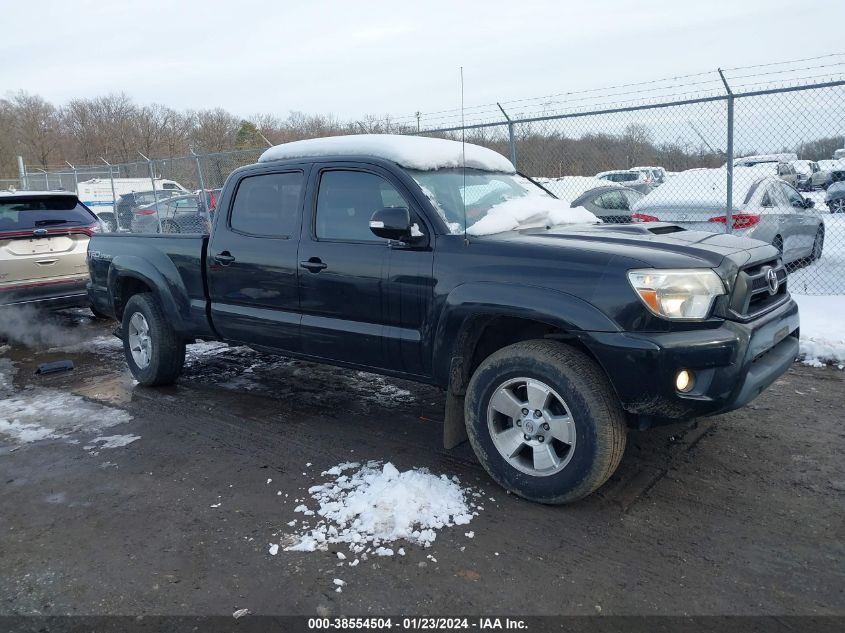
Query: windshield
x=494, y=201
x=484, y=190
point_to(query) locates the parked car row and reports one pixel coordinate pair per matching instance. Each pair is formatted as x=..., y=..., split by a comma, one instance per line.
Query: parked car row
x=765, y=207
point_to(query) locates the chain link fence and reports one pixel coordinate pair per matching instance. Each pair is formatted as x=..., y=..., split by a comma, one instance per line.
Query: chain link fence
x=756, y=164
x=723, y=158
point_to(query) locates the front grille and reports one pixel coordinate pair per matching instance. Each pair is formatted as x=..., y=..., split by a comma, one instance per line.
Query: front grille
x=752, y=295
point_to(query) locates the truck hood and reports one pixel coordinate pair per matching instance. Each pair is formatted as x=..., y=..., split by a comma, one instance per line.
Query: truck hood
x=654, y=244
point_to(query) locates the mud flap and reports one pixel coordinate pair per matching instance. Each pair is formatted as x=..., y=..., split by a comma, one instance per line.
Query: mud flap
x=454, y=427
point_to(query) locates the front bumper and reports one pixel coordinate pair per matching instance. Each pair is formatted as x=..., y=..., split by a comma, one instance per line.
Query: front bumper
x=732, y=364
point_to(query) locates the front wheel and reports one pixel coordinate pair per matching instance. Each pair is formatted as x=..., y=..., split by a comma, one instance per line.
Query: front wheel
x=153, y=350
x=837, y=205
x=544, y=421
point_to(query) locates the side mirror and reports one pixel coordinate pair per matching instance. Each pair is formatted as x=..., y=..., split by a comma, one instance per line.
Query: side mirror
x=392, y=223
x=809, y=203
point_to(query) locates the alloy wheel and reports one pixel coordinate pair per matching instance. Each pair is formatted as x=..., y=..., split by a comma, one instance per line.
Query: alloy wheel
x=531, y=426
x=140, y=343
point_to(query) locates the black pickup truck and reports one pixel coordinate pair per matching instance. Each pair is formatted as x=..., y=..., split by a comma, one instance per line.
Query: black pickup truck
x=418, y=258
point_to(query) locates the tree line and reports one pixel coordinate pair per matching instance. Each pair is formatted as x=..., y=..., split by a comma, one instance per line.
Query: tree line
x=115, y=128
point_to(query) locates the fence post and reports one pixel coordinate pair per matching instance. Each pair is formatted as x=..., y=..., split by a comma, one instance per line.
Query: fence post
x=22, y=174
x=75, y=178
x=46, y=180
x=200, y=179
x=155, y=191
x=511, y=137
x=206, y=199
x=113, y=197
x=730, y=156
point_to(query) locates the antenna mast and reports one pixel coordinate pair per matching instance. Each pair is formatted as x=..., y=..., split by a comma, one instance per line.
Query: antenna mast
x=464, y=157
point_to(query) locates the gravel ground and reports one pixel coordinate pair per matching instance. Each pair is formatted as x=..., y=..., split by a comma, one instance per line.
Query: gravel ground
x=741, y=514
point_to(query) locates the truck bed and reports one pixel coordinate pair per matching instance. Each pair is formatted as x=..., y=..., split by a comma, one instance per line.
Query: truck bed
x=171, y=261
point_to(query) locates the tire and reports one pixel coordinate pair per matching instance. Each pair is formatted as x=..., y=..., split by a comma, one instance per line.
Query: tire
x=837, y=205
x=778, y=243
x=165, y=351
x=818, y=246
x=596, y=429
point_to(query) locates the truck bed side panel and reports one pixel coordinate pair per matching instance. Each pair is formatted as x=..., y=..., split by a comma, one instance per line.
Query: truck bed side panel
x=170, y=266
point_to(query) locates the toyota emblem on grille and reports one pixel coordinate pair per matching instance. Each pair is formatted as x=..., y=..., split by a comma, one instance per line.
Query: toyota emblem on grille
x=772, y=280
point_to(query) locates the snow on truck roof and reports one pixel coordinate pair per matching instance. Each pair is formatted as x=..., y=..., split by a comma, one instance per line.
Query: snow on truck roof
x=412, y=152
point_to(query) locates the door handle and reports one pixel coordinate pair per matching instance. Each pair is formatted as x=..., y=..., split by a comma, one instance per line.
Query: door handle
x=314, y=264
x=224, y=259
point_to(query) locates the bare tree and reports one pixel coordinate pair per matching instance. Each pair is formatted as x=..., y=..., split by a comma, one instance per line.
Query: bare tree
x=36, y=123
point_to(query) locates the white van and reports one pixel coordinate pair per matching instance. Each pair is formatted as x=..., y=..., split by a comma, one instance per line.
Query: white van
x=840, y=153
x=97, y=193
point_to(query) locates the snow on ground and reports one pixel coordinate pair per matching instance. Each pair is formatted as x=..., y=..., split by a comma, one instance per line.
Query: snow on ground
x=100, y=345
x=822, y=329
x=7, y=374
x=413, y=152
x=112, y=441
x=374, y=505
x=37, y=414
x=826, y=276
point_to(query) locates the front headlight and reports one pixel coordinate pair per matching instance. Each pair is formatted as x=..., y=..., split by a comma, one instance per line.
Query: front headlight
x=677, y=294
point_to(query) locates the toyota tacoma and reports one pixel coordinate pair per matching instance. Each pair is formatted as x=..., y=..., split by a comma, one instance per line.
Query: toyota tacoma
x=433, y=261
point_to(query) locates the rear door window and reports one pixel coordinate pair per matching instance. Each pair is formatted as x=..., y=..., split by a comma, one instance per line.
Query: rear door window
x=43, y=212
x=268, y=205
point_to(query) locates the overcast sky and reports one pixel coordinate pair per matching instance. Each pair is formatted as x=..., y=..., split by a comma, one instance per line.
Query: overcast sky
x=354, y=58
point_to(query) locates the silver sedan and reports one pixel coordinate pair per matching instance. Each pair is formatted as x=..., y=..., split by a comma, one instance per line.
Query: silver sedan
x=764, y=208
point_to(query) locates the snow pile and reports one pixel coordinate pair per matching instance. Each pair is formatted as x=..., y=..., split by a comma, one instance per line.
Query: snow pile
x=38, y=414
x=412, y=152
x=529, y=210
x=377, y=505
x=822, y=329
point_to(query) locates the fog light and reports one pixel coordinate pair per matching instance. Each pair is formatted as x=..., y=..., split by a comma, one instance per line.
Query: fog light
x=684, y=380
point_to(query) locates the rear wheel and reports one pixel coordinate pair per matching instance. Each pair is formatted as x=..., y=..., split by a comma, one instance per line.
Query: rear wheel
x=837, y=206
x=153, y=350
x=544, y=421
